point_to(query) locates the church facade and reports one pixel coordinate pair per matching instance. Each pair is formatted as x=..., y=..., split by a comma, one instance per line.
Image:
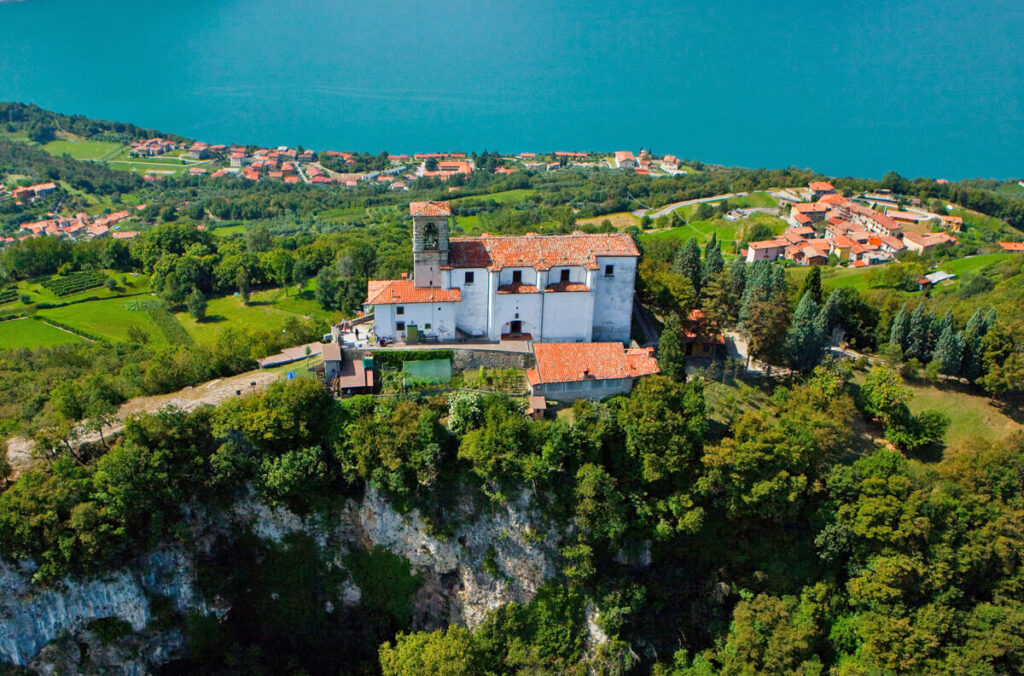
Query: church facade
x=547, y=288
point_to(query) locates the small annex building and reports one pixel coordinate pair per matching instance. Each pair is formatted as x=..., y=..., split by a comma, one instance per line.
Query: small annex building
x=570, y=371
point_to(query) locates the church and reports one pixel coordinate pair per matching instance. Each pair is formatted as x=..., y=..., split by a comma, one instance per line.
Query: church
x=544, y=288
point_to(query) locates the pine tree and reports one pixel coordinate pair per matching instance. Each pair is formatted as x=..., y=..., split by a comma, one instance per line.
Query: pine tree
x=196, y=304
x=918, y=331
x=710, y=244
x=738, y=275
x=900, y=331
x=949, y=351
x=243, y=284
x=721, y=303
x=812, y=284
x=713, y=265
x=671, y=351
x=971, y=365
x=830, y=313
x=805, y=340
x=687, y=263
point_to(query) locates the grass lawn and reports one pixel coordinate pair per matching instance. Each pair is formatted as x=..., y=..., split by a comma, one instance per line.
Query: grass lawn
x=621, y=219
x=971, y=415
x=228, y=231
x=83, y=150
x=109, y=319
x=506, y=197
x=32, y=333
x=38, y=294
x=266, y=310
x=831, y=277
x=725, y=231
x=753, y=200
x=963, y=266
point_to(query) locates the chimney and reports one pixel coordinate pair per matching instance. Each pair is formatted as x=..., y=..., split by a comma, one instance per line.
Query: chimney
x=405, y=276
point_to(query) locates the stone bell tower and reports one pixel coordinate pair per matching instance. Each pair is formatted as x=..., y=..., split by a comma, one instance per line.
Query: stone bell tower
x=429, y=241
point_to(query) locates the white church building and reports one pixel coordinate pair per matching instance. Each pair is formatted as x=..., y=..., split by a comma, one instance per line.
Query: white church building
x=547, y=288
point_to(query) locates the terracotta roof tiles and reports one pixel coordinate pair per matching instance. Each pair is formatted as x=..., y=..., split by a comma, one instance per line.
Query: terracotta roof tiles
x=391, y=291
x=574, y=362
x=430, y=209
x=538, y=252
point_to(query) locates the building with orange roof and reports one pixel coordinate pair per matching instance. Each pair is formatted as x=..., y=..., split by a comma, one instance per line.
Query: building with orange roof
x=570, y=371
x=926, y=242
x=560, y=288
x=821, y=188
x=766, y=250
x=1012, y=247
x=624, y=160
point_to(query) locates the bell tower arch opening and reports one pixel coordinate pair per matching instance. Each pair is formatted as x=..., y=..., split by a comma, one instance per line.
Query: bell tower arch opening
x=430, y=227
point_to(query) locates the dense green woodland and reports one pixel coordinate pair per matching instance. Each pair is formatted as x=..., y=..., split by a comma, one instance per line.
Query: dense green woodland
x=805, y=521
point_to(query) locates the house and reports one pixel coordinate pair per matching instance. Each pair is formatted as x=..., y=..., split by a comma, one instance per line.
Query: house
x=933, y=278
x=924, y=243
x=907, y=217
x=820, y=188
x=1012, y=247
x=954, y=223
x=556, y=288
x=814, y=211
x=347, y=376
x=766, y=250
x=624, y=160
x=701, y=339
x=570, y=371
x=198, y=151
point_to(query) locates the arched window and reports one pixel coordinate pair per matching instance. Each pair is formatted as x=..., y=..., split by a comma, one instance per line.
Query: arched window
x=430, y=236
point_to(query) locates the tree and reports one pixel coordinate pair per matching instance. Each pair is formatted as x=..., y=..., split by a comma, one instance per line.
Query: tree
x=703, y=212
x=899, y=333
x=6, y=469
x=766, y=330
x=812, y=284
x=243, y=284
x=671, y=351
x=196, y=304
x=281, y=263
x=806, y=340
x=423, y=654
x=600, y=511
x=949, y=351
x=713, y=264
x=430, y=164
x=920, y=342
x=326, y=289
x=1003, y=361
x=687, y=264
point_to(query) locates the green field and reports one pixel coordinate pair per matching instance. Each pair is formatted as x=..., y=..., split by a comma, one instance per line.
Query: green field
x=970, y=264
x=38, y=294
x=971, y=415
x=228, y=231
x=506, y=197
x=266, y=310
x=753, y=200
x=32, y=333
x=108, y=319
x=725, y=231
x=83, y=150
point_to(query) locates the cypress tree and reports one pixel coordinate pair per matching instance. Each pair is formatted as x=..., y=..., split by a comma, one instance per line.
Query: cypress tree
x=949, y=351
x=812, y=284
x=671, y=351
x=805, y=341
x=710, y=244
x=900, y=331
x=917, y=334
x=687, y=263
x=738, y=273
x=713, y=264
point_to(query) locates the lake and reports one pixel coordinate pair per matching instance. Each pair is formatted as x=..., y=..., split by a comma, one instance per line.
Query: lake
x=930, y=88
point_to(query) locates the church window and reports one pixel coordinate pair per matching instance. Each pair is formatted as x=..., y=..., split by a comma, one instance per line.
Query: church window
x=565, y=276
x=430, y=236
x=400, y=310
x=469, y=278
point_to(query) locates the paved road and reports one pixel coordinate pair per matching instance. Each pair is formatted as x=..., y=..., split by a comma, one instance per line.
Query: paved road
x=669, y=208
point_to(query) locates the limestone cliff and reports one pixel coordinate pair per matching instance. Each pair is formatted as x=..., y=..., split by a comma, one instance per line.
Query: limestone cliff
x=492, y=559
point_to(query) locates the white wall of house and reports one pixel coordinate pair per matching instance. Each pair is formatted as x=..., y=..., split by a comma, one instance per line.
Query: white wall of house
x=509, y=307
x=471, y=312
x=568, y=317
x=613, y=298
x=583, y=389
x=432, y=319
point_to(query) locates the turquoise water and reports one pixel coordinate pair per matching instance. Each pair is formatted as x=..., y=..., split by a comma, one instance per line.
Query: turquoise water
x=926, y=88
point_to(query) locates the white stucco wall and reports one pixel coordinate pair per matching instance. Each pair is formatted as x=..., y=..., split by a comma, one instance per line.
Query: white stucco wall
x=472, y=311
x=507, y=305
x=568, y=317
x=613, y=298
x=440, y=317
x=587, y=389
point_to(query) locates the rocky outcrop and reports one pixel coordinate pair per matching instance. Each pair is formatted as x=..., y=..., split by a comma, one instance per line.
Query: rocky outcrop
x=495, y=557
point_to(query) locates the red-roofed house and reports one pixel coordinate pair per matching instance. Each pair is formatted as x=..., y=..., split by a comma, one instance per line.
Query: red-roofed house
x=576, y=287
x=570, y=371
x=1012, y=247
x=766, y=250
x=821, y=188
x=926, y=242
x=624, y=160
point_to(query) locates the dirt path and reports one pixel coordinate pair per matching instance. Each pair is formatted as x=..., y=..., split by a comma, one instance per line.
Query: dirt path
x=19, y=449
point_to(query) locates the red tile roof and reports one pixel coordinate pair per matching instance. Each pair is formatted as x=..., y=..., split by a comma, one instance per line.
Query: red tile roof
x=574, y=362
x=820, y=186
x=430, y=209
x=518, y=287
x=540, y=252
x=566, y=287
x=1012, y=246
x=834, y=199
x=391, y=291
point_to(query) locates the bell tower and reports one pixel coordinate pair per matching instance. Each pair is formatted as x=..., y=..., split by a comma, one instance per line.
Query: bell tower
x=429, y=241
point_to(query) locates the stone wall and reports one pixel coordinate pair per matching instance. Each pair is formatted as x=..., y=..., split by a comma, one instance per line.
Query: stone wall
x=468, y=359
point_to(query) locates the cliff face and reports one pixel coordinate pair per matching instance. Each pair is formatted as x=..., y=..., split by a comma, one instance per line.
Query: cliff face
x=492, y=559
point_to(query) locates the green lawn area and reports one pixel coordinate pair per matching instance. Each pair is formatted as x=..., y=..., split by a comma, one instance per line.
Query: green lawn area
x=109, y=319
x=83, y=150
x=963, y=266
x=228, y=231
x=38, y=294
x=971, y=415
x=266, y=310
x=506, y=197
x=753, y=200
x=32, y=333
x=725, y=231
